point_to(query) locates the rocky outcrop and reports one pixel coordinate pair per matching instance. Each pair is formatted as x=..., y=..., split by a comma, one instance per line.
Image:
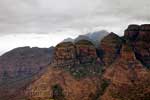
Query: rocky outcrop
x=65, y=54
x=144, y=32
x=125, y=72
x=139, y=37
x=142, y=46
x=86, y=51
x=132, y=32
x=109, y=48
x=69, y=54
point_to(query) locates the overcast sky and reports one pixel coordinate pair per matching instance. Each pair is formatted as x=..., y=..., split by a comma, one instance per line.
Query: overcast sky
x=44, y=23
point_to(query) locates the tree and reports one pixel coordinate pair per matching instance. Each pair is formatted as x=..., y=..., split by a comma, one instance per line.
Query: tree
x=58, y=92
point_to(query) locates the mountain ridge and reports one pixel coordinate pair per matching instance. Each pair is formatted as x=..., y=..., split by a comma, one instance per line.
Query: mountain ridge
x=115, y=69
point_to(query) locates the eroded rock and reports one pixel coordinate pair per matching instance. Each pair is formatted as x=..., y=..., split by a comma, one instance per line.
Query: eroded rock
x=110, y=48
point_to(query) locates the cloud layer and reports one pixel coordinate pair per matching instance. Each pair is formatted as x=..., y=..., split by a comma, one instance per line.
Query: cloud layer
x=44, y=16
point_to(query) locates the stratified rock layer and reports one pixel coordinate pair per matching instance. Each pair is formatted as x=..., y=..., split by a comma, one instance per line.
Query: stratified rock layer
x=125, y=72
x=110, y=48
x=86, y=51
x=65, y=54
x=69, y=54
x=139, y=37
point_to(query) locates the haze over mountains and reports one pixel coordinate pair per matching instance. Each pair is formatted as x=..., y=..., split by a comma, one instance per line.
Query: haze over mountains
x=94, y=37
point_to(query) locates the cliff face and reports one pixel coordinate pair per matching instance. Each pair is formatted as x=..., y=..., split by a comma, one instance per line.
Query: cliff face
x=86, y=51
x=79, y=58
x=128, y=77
x=139, y=37
x=132, y=32
x=68, y=53
x=65, y=54
x=110, y=48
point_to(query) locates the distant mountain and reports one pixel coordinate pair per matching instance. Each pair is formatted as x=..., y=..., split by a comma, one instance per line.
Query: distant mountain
x=97, y=36
x=20, y=65
x=68, y=40
x=94, y=37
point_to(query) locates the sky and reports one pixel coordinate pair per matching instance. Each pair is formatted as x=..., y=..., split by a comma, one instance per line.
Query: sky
x=44, y=23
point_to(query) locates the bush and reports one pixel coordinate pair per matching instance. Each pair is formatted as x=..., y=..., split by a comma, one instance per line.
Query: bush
x=58, y=92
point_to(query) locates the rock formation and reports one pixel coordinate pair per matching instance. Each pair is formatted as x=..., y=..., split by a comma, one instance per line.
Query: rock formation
x=69, y=54
x=65, y=54
x=132, y=32
x=139, y=37
x=125, y=72
x=86, y=51
x=110, y=47
x=116, y=70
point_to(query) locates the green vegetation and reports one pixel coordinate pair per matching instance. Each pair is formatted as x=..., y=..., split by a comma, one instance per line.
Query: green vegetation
x=84, y=70
x=58, y=92
x=104, y=85
x=100, y=90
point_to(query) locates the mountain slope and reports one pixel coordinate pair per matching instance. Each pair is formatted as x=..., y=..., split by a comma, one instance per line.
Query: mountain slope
x=126, y=75
x=18, y=66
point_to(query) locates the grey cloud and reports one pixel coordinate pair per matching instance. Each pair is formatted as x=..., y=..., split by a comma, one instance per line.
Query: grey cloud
x=44, y=16
x=130, y=8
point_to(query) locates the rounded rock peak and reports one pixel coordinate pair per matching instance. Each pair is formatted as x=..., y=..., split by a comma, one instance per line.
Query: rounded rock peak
x=112, y=35
x=145, y=27
x=133, y=27
x=111, y=38
x=64, y=44
x=132, y=32
x=84, y=42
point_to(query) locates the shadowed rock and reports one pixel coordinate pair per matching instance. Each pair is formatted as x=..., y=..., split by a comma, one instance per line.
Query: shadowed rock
x=110, y=47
